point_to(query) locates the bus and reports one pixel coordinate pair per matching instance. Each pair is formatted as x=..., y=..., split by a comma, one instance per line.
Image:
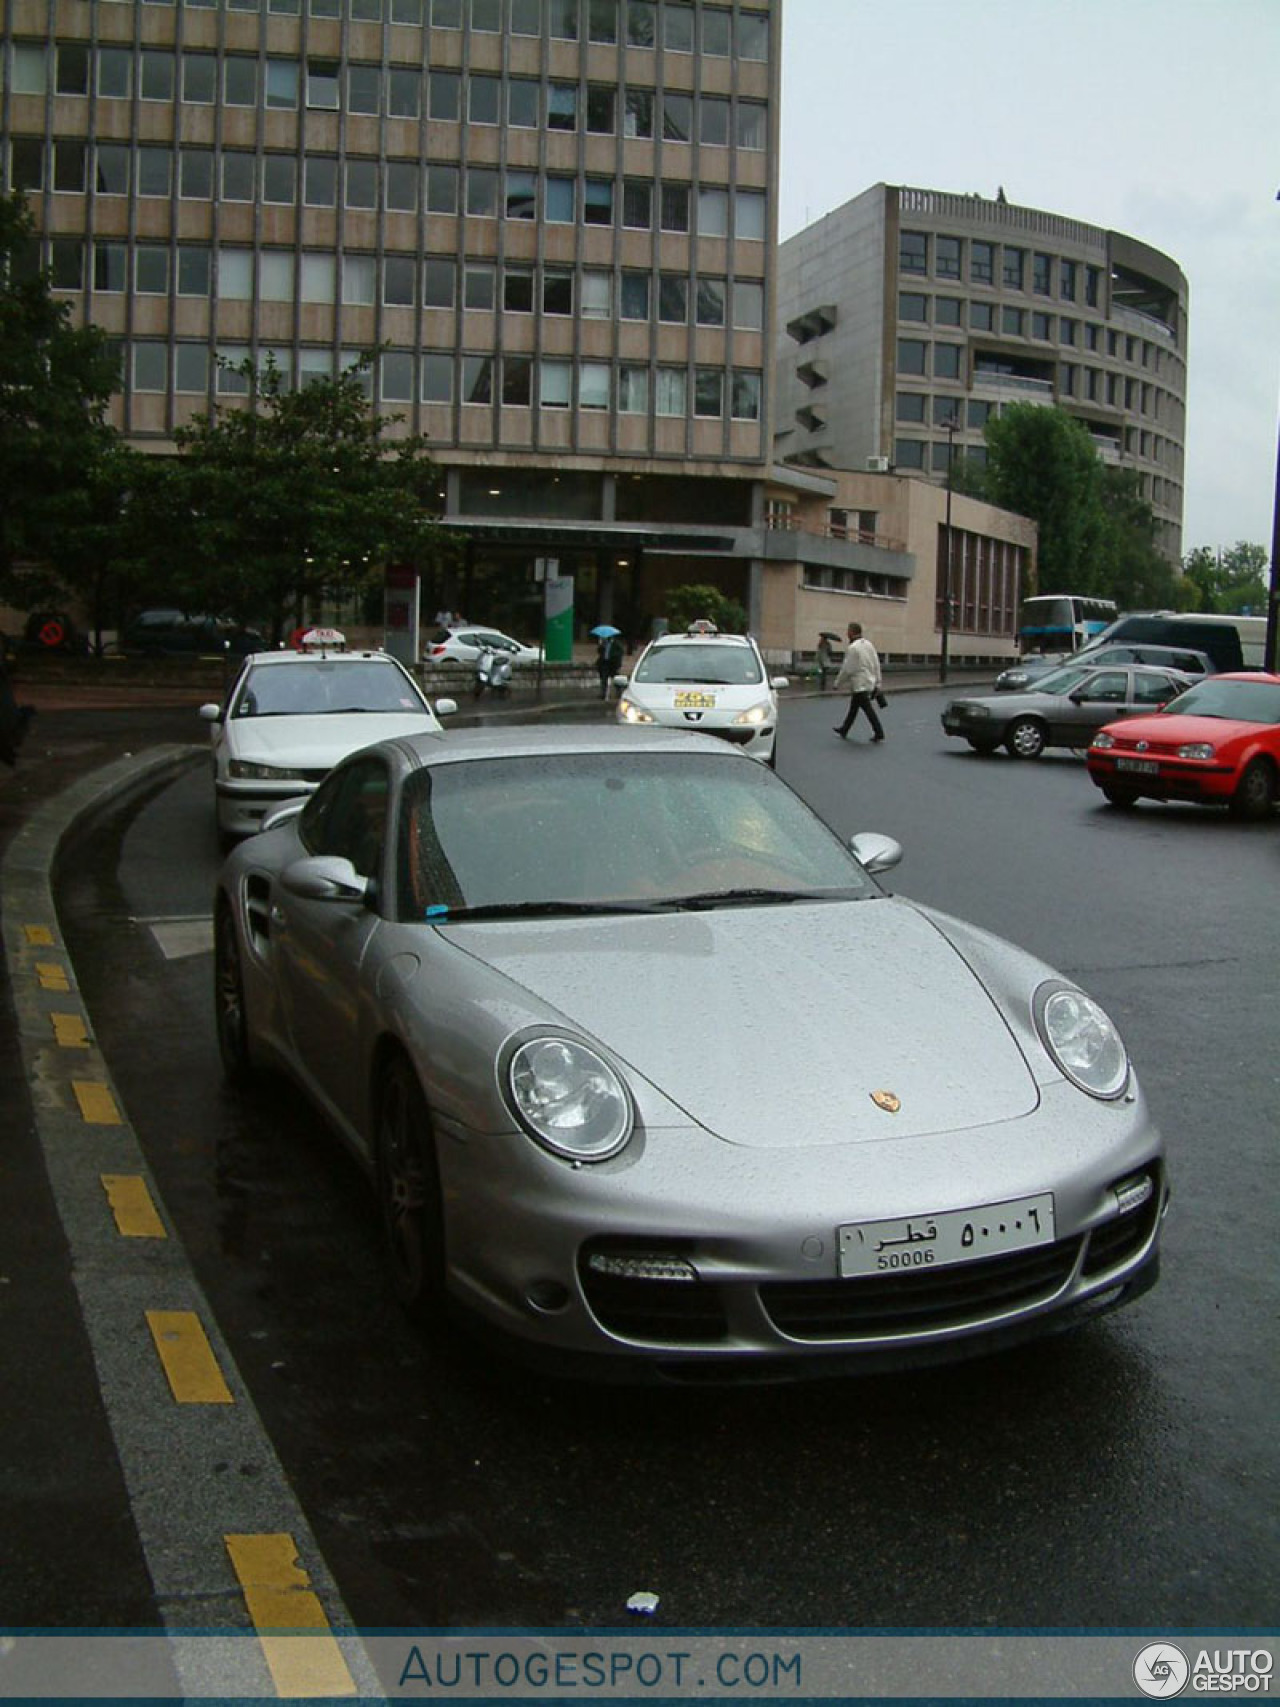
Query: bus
x=1062, y=622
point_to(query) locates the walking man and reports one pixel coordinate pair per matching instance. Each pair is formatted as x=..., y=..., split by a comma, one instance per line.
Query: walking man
x=860, y=674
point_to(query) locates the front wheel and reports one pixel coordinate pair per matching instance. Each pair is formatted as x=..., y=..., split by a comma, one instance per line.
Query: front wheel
x=228, y=990
x=985, y=747
x=1123, y=798
x=408, y=1184
x=1025, y=738
x=1255, y=794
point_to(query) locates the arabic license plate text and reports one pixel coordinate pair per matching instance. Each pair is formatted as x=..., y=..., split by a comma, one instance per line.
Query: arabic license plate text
x=1144, y=767
x=954, y=1236
x=691, y=700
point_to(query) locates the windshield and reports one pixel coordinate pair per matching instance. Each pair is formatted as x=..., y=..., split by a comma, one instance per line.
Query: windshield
x=1245, y=702
x=321, y=686
x=615, y=831
x=726, y=666
x=1065, y=679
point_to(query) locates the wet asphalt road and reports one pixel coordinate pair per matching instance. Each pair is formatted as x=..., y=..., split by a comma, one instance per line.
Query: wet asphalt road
x=1125, y=1475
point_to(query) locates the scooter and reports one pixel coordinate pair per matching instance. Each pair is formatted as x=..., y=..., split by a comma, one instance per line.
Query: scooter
x=493, y=671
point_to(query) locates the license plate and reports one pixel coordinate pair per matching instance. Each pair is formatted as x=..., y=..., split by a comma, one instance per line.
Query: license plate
x=954, y=1236
x=688, y=700
x=1144, y=767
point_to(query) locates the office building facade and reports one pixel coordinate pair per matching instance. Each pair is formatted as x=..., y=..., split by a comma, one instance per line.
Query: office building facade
x=907, y=317
x=554, y=220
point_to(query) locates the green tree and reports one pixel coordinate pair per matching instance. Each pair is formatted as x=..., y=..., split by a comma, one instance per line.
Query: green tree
x=1042, y=463
x=1130, y=567
x=294, y=497
x=1232, y=582
x=55, y=382
x=690, y=602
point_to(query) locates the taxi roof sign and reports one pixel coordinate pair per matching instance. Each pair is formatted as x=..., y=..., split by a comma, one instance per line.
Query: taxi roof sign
x=317, y=639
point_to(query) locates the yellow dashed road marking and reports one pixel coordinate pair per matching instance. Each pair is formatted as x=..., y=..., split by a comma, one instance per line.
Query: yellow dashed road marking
x=70, y=1031
x=97, y=1105
x=188, y=1358
x=39, y=936
x=278, y=1594
x=132, y=1207
x=52, y=976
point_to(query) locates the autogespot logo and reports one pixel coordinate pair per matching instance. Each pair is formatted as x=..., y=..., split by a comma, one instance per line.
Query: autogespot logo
x=1161, y=1670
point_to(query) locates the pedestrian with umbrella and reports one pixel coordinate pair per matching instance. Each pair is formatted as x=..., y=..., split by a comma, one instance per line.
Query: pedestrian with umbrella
x=825, y=656
x=608, y=654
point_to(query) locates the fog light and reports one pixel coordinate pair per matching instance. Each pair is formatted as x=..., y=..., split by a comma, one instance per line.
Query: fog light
x=641, y=1267
x=547, y=1296
x=1131, y=1194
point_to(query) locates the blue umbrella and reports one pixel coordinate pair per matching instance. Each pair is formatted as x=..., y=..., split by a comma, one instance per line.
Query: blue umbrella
x=605, y=631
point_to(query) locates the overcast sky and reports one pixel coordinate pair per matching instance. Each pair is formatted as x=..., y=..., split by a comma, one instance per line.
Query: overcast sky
x=1159, y=118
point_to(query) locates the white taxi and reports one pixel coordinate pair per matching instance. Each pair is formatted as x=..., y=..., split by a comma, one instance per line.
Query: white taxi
x=711, y=683
x=291, y=715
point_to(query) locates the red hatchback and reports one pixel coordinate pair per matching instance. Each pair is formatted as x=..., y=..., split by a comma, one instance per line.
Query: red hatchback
x=1218, y=744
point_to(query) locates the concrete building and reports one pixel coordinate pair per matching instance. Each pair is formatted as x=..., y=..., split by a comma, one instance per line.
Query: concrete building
x=555, y=220
x=907, y=317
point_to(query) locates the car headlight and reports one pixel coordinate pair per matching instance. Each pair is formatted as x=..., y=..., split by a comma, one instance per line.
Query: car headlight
x=630, y=712
x=1196, y=750
x=757, y=714
x=1102, y=739
x=263, y=773
x=1082, y=1040
x=569, y=1099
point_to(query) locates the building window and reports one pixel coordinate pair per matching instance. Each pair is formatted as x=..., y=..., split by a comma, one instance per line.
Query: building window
x=1067, y=280
x=642, y=23
x=948, y=311
x=982, y=260
x=70, y=166
x=1011, y=322
x=1040, y=324
x=522, y=195
x=404, y=93
x=562, y=106
x=913, y=252
x=323, y=90
x=486, y=15
x=444, y=95
x=402, y=186
x=633, y=390
x=671, y=396
x=634, y=304
x=908, y=453
x=479, y=286
x=399, y=281
x=557, y=292
x=751, y=125
x=320, y=181
x=912, y=355
x=594, y=385
x=597, y=201
x=237, y=177
x=522, y=103
x=193, y=271
x=439, y=283
x=517, y=290
x=29, y=73
x=318, y=278
x=235, y=274
x=66, y=263
x=517, y=381
x=713, y=121
x=442, y=189
x=708, y=392
x=240, y=82
x=717, y=35
x=982, y=317
x=110, y=266
x=910, y=406
x=564, y=19
x=1092, y=286
x=150, y=367
x=199, y=79
x=436, y=377
x=946, y=361
x=71, y=74
x=362, y=184
x=111, y=169
x=1013, y=264
x=677, y=28
x=1067, y=331
x=115, y=72
x=555, y=384
x=601, y=110
x=1042, y=274
x=675, y=207
x=673, y=299
x=745, y=396
x=359, y=281
x=912, y=305
x=945, y=411
x=191, y=368
x=597, y=295
x=364, y=89
x=526, y=17
x=446, y=14
x=638, y=113
x=713, y=213
x=709, y=302
x=946, y=257
x=560, y=201
x=749, y=215
x=978, y=413
x=637, y=204
x=275, y=276
x=155, y=171
x=279, y=179
x=482, y=192
x=151, y=269
x=195, y=174
x=748, y=305
x=677, y=117
x=395, y=376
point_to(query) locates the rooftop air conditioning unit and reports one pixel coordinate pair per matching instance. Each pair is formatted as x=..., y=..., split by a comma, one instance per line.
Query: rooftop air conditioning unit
x=877, y=465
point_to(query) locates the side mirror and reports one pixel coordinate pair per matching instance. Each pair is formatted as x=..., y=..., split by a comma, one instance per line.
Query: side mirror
x=875, y=852
x=445, y=707
x=780, y=681
x=211, y=713
x=324, y=877
x=620, y=682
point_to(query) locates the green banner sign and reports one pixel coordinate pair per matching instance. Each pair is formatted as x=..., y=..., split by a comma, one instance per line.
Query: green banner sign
x=559, y=619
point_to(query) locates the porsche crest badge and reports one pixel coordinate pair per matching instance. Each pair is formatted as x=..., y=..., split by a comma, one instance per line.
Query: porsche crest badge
x=887, y=1101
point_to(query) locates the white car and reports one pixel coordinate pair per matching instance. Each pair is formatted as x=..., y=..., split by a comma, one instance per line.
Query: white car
x=714, y=684
x=291, y=716
x=464, y=644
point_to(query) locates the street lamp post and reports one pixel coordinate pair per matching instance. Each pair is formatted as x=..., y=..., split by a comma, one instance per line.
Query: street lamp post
x=952, y=422
x=1271, y=657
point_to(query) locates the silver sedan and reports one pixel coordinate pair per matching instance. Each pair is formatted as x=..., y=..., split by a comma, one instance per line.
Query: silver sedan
x=651, y=1075
x=1063, y=709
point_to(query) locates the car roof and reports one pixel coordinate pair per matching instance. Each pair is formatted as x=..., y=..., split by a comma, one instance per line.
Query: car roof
x=276, y=660
x=529, y=741
x=704, y=639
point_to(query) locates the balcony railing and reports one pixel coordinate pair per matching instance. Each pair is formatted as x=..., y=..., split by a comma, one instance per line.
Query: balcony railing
x=1013, y=382
x=834, y=530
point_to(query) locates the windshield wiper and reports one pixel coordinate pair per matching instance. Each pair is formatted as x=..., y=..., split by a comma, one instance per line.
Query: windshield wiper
x=708, y=898
x=538, y=910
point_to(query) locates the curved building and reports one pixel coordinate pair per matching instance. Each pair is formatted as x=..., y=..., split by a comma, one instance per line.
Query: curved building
x=907, y=317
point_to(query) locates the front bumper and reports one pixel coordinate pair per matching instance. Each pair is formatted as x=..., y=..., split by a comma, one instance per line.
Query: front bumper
x=1197, y=780
x=242, y=805
x=559, y=1259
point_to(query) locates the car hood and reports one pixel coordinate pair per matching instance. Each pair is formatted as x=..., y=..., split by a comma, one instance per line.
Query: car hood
x=775, y=1027
x=1166, y=730
x=323, y=740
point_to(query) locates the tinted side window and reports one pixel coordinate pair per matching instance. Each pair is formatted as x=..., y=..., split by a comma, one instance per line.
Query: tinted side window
x=347, y=816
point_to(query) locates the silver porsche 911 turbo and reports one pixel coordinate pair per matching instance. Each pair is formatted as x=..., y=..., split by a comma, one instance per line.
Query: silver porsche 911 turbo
x=651, y=1074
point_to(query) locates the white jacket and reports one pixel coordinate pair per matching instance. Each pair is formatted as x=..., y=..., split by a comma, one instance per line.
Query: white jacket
x=860, y=672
